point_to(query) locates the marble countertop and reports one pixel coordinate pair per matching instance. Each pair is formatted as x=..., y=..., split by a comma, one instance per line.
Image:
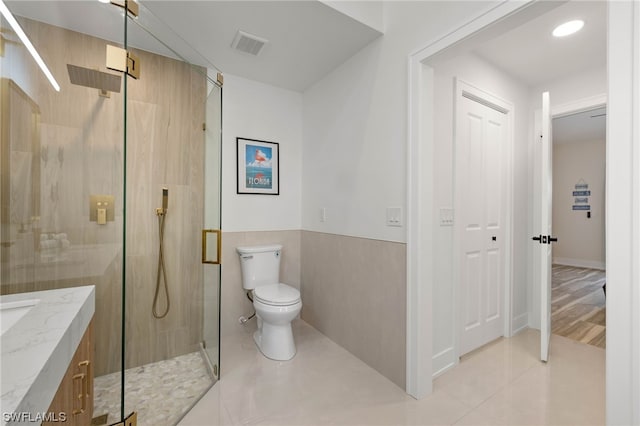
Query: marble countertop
x=37, y=350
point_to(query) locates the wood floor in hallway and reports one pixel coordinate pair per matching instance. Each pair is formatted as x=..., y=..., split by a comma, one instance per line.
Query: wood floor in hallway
x=578, y=304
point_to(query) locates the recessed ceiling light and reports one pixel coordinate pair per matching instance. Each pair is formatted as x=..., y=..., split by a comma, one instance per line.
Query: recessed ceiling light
x=104, y=1
x=568, y=28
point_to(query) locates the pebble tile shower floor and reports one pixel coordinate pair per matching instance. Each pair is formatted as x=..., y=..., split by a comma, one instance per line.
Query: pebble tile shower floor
x=161, y=392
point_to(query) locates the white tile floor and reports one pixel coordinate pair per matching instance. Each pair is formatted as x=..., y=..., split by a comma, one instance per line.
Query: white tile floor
x=500, y=384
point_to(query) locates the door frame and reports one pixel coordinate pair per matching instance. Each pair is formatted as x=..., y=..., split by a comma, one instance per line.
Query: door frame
x=421, y=217
x=623, y=187
x=506, y=107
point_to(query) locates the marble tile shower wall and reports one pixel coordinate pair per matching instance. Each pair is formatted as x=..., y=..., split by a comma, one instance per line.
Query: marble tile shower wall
x=81, y=137
x=165, y=138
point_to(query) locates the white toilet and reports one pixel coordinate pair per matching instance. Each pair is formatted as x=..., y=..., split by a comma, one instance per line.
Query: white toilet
x=276, y=304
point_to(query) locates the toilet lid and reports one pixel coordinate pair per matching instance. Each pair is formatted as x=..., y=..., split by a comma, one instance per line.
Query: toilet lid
x=277, y=294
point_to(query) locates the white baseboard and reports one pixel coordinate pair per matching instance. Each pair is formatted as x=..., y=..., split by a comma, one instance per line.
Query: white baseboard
x=443, y=361
x=520, y=323
x=579, y=263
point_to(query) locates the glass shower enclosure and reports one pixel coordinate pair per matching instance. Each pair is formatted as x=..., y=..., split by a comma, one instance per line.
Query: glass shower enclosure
x=114, y=181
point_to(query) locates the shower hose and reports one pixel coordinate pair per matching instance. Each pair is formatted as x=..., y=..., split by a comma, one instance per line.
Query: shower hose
x=162, y=273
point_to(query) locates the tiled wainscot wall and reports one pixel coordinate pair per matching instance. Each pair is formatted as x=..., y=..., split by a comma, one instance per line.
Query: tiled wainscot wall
x=353, y=290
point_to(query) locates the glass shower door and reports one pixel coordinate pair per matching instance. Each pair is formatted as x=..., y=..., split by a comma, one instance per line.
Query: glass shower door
x=62, y=177
x=212, y=236
x=85, y=171
x=172, y=279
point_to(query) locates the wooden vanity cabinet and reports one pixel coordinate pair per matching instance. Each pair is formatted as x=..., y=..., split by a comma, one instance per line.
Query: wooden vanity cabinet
x=74, y=398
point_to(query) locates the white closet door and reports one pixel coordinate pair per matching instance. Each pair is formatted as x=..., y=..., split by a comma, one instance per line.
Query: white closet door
x=481, y=138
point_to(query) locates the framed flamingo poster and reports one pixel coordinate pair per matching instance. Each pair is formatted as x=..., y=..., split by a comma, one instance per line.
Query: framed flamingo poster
x=258, y=167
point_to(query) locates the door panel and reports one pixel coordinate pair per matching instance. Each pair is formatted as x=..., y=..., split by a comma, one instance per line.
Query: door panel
x=493, y=174
x=480, y=141
x=212, y=220
x=172, y=304
x=473, y=292
x=493, y=281
x=544, y=250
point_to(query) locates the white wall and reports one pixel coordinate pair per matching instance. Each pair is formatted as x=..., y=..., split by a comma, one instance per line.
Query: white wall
x=580, y=238
x=589, y=83
x=366, y=12
x=623, y=220
x=355, y=125
x=259, y=111
x=481, y=74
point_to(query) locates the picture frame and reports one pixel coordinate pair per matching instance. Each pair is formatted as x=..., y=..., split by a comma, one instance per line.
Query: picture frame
x=258, y=166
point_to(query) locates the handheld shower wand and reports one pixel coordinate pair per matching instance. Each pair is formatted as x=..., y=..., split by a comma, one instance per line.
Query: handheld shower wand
x=161, y=212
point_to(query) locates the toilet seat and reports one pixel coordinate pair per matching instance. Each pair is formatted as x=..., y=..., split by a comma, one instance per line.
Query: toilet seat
x=277, y=294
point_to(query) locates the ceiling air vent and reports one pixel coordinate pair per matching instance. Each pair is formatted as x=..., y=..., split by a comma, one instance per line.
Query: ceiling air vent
x=248, y=43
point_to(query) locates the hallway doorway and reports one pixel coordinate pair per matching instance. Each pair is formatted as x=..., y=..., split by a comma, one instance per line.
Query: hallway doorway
x=578, y=309
x=622, y=245
x=482, y=60
x=579, y=191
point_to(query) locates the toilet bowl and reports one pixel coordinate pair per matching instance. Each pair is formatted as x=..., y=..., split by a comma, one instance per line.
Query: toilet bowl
x=274, y=336
x=276, y=304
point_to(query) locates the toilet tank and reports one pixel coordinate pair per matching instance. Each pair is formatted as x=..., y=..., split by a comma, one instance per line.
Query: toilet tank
x=260, y=265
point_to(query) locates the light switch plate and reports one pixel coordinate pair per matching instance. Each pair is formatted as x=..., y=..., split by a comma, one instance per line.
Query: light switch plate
x=446, y=217
x=394, y=216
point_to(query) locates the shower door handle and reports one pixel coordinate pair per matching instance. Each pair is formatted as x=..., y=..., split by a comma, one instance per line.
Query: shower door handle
x=211, y=246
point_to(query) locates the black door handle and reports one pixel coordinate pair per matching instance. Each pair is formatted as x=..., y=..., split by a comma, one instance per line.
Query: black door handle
x=545, y=239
